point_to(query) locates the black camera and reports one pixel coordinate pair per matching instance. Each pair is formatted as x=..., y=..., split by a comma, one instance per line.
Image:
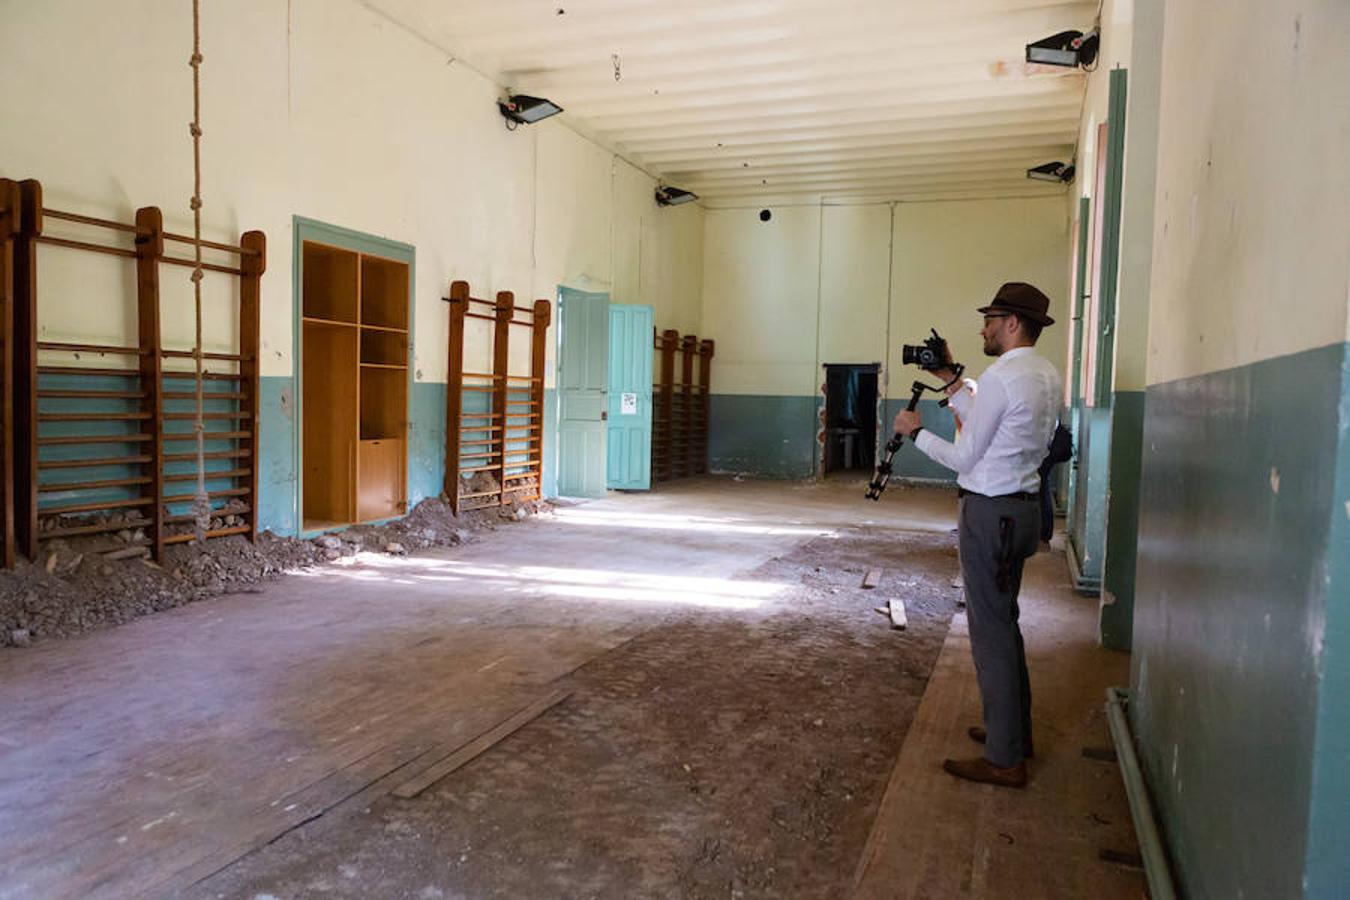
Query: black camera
x=930, y=355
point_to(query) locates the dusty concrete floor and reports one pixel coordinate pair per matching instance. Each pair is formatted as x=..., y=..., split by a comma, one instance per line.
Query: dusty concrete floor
x=142, y=759
x=735, y=714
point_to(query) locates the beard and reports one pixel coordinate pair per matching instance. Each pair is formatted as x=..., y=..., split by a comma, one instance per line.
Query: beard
x=991, y=349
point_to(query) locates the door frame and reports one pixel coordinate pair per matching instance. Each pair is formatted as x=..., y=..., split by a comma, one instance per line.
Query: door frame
x=880, y=437
x=305, y=229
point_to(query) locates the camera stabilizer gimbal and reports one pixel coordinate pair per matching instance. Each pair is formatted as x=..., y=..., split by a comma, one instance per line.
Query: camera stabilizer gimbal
x=930, y=356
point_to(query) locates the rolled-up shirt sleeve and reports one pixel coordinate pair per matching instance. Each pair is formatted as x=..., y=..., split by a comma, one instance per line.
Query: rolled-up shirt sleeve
x=980, y=417
x=962, y=400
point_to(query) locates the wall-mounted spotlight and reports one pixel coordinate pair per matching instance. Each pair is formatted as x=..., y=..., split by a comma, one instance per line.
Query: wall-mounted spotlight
x=1068, y=48
x=672, y=196
x=1058, y=172
x=522, y=110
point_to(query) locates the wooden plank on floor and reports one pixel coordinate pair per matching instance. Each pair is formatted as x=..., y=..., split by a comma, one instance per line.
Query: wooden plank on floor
x=871, y=579
x=896, y=608
x=479, y=745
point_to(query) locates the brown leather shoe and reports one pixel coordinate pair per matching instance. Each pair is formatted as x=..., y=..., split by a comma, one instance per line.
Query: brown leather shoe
x=978, y=735
x=982, y=770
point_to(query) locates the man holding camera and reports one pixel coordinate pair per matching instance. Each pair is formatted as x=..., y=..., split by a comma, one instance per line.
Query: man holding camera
x=1006, y=426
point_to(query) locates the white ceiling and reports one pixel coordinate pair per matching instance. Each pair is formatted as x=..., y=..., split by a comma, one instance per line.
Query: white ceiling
x=747, y=100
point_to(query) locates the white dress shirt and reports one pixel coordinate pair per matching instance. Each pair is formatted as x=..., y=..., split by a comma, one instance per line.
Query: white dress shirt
x=1005, y=427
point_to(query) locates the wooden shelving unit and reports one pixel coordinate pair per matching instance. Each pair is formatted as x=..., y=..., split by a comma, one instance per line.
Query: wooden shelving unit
x=354, y=386
x=680, y=401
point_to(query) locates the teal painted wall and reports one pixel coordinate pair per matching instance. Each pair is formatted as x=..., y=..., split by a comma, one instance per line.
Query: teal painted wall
x=549, y=470
x=1087, y=515
x=277, y=483
x=765, y=436
x=909, y=461
x=1328, y=863
x=426, y=441
x=1116, y=619
x=1240, y=633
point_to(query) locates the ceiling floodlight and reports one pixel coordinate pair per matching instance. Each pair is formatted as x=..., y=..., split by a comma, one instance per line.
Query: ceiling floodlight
x=672, y=196
x=1068, y=48
x=524, y=110
x=1058, y=172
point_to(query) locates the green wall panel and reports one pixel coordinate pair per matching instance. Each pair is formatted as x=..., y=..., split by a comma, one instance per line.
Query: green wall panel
x=1232, y=623
x=775, y=437
x=277, y=482
x=426, y=441
x=909, y=461
x=1116, y=621
x=1087, y=521
x=1328, y=864
x=765, y=436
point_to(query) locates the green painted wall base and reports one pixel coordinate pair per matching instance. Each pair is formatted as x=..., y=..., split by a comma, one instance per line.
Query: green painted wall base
x=764, y=436
x=910, y=462
x=1241, y=677
x=1115, y=621
x=1087, y=513
x=1327, y=872
x=775, y=437
x=277, y=481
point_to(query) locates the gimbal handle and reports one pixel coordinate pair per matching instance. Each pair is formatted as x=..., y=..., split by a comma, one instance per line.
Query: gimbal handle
x=883, y=475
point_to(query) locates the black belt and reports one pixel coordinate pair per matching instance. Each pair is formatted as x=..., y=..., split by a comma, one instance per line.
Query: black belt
x=1020, y=495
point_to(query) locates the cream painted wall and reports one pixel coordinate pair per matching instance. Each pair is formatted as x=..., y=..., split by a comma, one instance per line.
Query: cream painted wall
x=1252, y=239
x=855, y=268
x=951, y=257
x=761, y=282
x=810, y=286
x=322, y=109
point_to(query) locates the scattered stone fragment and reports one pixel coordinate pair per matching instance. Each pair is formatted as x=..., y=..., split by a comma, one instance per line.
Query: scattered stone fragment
x=72, y=597
x=20, y=637
x=395, y=548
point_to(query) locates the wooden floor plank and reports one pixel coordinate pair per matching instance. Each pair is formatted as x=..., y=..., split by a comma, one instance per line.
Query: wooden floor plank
x=479, y=745
x=935, y=836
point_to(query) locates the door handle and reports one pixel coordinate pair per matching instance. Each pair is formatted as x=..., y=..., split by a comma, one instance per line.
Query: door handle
x=604, y=415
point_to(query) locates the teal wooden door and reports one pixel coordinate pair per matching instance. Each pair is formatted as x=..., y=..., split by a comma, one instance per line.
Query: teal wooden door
x=630, y=398
x=583, y=355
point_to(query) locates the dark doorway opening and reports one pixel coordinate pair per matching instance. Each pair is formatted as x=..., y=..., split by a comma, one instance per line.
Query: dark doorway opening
x=850, y=417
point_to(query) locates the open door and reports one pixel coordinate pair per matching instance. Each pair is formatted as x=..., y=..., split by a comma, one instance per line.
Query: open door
x=630, y=398
x=583, y=355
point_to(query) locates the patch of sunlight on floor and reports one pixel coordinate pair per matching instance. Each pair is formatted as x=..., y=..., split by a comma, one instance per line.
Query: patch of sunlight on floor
x=659, y=521
x=593, y=584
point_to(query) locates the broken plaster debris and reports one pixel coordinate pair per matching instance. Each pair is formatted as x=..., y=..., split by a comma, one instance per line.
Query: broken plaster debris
x=87, y=582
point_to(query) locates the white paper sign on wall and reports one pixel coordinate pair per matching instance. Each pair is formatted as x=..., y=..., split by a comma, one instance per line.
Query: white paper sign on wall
x=628, y=404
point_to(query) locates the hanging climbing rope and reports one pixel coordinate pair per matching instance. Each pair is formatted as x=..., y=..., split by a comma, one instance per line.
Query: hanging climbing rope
x=201, y=501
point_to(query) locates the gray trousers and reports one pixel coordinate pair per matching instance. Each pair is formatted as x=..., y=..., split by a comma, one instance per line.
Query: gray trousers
x=996, y=536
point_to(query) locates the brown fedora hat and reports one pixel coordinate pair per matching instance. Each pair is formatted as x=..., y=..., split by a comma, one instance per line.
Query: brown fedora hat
x=1020, y=297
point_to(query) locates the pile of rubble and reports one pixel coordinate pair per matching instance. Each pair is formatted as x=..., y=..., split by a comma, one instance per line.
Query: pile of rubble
x=86, y=582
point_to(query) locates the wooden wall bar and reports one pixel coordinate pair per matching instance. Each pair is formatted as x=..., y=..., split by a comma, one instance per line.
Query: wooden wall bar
x=9, y=231
x=494, y=446
x=101, y=435
x=680, y=400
